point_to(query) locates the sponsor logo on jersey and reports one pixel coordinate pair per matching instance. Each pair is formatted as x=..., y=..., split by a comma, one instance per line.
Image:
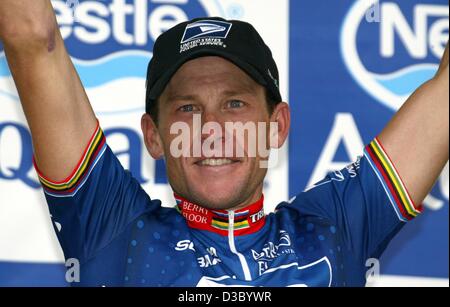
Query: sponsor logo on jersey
x=314, y=274
x=209, y=259
x=185, y=245
x=271, y=251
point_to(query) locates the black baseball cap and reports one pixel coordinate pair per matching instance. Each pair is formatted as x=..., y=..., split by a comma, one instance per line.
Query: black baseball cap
x=234, y=40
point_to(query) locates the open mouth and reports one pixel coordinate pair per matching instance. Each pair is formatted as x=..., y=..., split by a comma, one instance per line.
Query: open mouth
x=215, y=162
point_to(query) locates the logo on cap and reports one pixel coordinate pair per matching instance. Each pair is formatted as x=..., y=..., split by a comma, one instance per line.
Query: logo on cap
x=206, y=28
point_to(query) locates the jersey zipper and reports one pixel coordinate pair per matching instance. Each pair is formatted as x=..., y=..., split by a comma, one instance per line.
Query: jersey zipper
x=233, y=249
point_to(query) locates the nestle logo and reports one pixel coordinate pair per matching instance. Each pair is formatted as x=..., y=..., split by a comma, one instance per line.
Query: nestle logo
x=206, y=28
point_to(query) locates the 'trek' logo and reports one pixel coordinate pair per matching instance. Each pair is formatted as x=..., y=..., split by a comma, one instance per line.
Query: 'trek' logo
x=257, y=216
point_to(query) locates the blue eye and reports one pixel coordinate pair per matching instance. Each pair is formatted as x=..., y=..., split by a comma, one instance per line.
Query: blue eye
x=234, y=104
x=187, y=108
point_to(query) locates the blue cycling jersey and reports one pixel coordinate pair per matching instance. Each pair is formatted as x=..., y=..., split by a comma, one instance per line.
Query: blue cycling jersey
x=322, y=237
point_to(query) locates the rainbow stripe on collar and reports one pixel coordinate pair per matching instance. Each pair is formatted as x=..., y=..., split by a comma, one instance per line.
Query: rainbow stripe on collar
x=245, y=221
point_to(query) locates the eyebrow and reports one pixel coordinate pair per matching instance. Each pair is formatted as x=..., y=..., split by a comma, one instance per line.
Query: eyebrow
x=244, y=90
x=224, y=93
x=181, y=98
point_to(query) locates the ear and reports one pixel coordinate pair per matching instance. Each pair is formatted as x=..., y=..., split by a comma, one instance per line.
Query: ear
x=282, y=116
x=152, y=139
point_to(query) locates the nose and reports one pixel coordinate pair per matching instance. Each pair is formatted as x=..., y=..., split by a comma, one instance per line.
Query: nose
x=211, y=122
x=209, y=116
x=213, y=130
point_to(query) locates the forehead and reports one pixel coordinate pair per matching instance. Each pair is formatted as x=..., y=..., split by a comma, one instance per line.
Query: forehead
x=211, y=71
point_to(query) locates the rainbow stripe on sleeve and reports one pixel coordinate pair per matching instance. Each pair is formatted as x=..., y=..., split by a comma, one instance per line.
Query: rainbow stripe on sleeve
x=391, y=181
x=71, y=185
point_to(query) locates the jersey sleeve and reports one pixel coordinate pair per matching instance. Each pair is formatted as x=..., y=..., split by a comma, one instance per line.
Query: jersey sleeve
x=95, y=203
x=367, y=201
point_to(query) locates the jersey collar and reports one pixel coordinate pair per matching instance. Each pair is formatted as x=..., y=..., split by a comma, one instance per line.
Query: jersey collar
x=245, y=221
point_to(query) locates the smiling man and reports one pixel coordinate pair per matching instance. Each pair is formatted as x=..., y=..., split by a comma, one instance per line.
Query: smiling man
x=220, y=72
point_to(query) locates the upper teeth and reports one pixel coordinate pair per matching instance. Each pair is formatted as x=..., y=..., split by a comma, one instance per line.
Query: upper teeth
x=215, y=162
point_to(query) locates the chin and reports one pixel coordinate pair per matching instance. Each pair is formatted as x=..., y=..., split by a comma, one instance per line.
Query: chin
x=218, y=187
x=220, y=195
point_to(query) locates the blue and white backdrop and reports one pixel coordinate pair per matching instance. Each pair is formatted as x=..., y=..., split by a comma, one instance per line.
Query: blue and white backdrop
x=346, y=67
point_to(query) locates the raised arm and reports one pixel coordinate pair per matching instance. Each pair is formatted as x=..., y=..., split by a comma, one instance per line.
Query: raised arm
x=57, y=109
x=417, y=137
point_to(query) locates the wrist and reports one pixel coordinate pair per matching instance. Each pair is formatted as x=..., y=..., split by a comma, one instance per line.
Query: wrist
x=441, y=75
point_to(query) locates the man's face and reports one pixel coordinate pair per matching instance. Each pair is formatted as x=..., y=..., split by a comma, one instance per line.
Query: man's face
x=215, y=90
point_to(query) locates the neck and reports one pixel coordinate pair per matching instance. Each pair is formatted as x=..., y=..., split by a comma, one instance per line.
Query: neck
x=251, y=199
x=242, y=219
